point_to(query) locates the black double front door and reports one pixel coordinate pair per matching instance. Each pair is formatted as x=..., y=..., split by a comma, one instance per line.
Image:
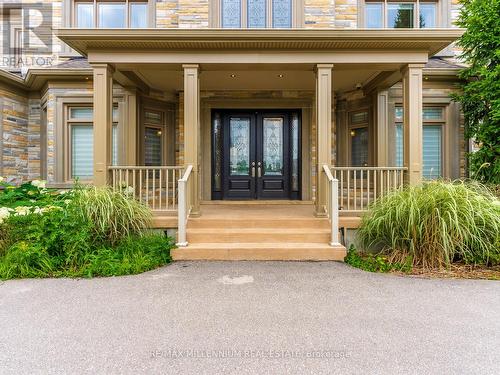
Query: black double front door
x=260, y=154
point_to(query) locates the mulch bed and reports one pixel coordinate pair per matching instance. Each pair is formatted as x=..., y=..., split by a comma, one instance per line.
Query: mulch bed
x=457, y=271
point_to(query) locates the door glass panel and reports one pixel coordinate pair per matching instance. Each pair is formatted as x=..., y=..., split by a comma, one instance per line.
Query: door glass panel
x=239, y=153
x=295, y=152
x=217, y=145
x=273, y=146
x=359, y=147
x=152, y=146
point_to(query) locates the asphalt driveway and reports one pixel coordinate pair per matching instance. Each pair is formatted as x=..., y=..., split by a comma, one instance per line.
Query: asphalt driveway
x=250, y=317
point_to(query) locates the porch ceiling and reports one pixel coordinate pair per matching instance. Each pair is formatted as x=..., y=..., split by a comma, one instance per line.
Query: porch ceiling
x=429, y=40
x=235, y=78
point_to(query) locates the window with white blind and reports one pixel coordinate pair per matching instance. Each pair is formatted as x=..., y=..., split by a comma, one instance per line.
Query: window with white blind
x=401, y=14
x=81, y=141
x=432, y=151
x=111, y=13
x=82, y=151
x=432, y=142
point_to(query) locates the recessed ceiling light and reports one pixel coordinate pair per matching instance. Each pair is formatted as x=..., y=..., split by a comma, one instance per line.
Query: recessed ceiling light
x=233, y=75
x=280, y=75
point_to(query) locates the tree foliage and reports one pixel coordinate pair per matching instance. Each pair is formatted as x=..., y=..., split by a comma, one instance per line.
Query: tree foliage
x=480, y=97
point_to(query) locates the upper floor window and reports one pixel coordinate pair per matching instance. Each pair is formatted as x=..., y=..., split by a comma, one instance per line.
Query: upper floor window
x=111, y=14
x=404, y=14
x=256, y=14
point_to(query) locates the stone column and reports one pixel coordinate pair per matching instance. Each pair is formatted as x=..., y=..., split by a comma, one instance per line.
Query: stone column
x=412, y=107
x=382, y=128
x=323, y=132
x=103, y=122
x=192, y=128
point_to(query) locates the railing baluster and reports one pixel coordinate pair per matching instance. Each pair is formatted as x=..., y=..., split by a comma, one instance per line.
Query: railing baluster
x=348, y=190
x=365, y=184
x=368, y=187
x=355, y=189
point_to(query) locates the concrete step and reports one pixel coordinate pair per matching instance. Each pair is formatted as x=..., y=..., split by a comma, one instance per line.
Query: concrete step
x=258, y=235
x=244, y=223
x=260, y=251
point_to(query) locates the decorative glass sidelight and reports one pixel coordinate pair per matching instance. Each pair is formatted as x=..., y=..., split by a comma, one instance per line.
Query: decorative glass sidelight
x=217, y=145
x=295, y=152
x=231, y=14
x=239, y=152
x=273, y=146
x=282, y=14
x=256, y=13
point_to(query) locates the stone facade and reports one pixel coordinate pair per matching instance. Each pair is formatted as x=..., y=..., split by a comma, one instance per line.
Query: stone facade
x=20, y=136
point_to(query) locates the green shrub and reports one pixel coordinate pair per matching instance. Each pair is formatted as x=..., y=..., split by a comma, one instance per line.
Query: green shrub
x=114, y=214
x=435, y=224
x=96, y=232
x=31, y=194
x=375, y=262
x=131, y=256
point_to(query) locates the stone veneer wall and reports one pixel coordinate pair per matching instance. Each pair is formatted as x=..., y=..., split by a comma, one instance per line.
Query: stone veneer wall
x=20, y=136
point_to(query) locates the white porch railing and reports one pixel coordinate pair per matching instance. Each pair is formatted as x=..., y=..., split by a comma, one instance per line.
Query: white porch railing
x=360, y=186
x=185, y=196
x=156, y=187
x=332, y=205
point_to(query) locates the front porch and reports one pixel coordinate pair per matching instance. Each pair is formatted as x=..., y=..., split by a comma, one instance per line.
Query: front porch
x=295, y=75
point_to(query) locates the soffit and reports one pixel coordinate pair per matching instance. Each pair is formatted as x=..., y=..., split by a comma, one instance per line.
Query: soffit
x=430, y=40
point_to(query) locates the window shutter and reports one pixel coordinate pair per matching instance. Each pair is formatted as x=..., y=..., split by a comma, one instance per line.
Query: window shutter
x=432, y=153
x=82, y=151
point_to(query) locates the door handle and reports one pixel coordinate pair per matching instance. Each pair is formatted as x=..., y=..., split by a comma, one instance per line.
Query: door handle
x=259, y=170
x=253, y=169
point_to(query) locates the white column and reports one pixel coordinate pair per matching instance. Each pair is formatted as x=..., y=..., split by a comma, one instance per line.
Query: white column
x=192, y=128
x=412, y=107
x=382, y=128
x=130, y=128
x=103, y=121
x=323, y=132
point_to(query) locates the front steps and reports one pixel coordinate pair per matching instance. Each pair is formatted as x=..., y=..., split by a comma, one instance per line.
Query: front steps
x=280, y=233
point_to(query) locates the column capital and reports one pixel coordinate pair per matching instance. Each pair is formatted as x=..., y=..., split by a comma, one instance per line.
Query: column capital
x=190, y=66
x=109, y=67
x=407, y=67
x=323, y=66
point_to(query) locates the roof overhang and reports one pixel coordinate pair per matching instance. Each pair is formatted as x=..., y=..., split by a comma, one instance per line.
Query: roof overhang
x=12, y=79
x=429, y=40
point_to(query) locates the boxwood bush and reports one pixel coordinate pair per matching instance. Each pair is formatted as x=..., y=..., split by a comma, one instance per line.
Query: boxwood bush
x=81, y=233
x=435, y=224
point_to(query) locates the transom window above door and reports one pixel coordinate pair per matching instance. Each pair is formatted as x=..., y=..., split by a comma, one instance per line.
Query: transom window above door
x=255, y=14
x=110, y=14
x=401, y=14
